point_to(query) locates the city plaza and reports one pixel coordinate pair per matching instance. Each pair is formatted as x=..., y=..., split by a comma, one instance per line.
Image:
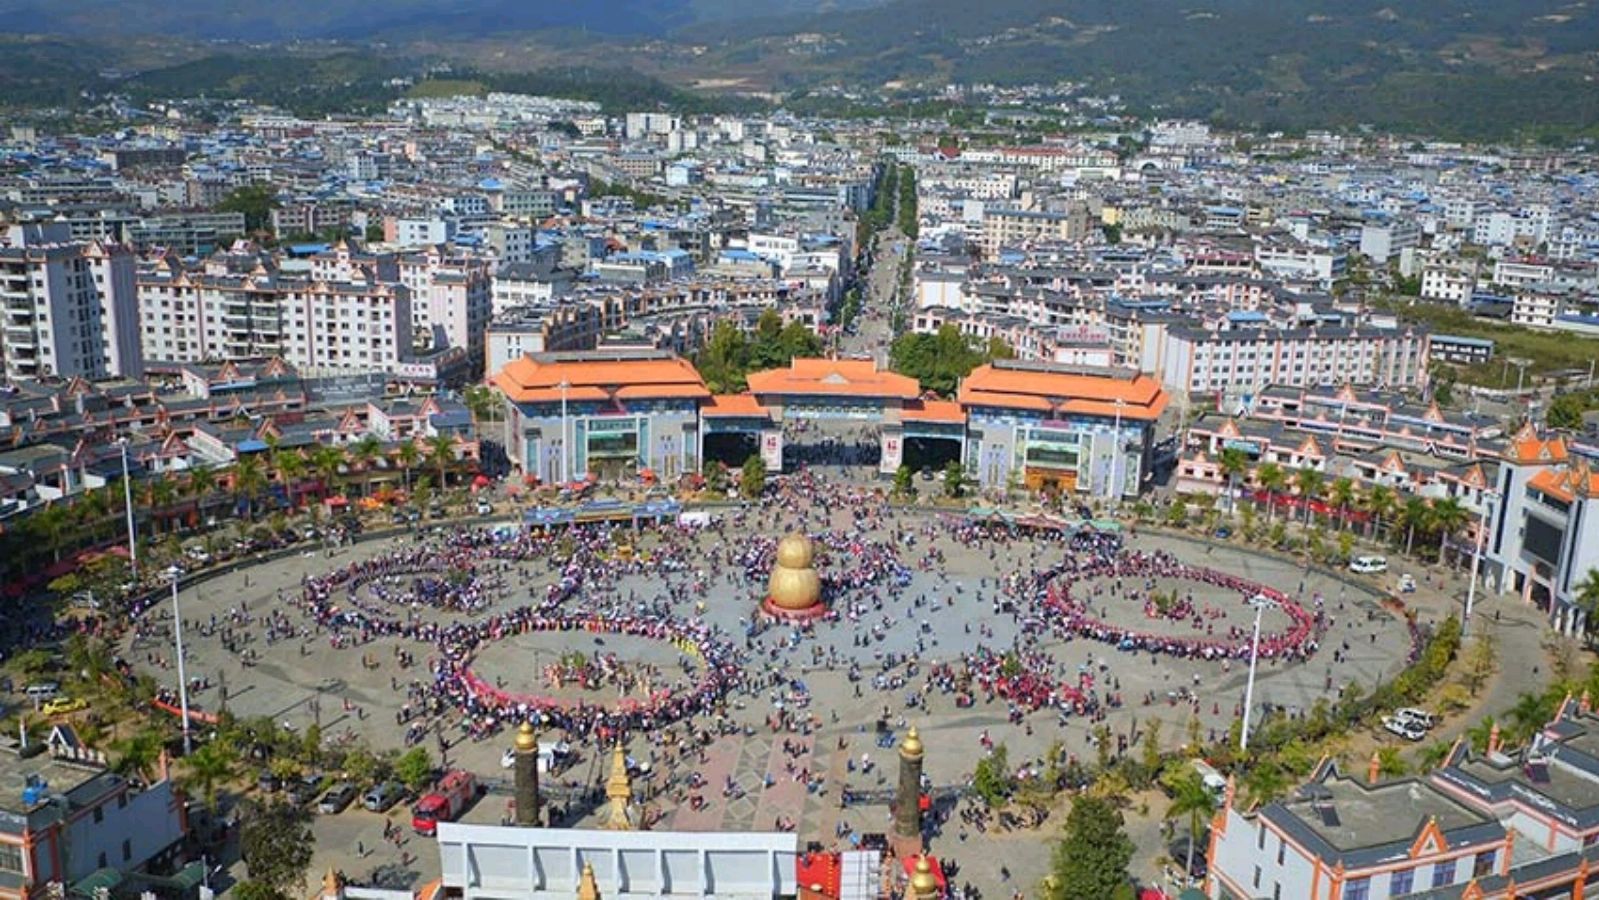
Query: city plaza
x=932, y=620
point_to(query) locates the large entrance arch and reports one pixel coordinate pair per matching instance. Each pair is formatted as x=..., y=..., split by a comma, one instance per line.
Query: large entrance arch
x=834, y=410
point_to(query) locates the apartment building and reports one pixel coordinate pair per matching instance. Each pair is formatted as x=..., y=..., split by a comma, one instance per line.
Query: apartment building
x=70, y=308
x=1014, y=227
x=1240, y=361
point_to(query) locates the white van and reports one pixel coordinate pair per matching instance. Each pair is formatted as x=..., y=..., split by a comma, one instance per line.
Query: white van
x=1369, y=565
x=41, y=691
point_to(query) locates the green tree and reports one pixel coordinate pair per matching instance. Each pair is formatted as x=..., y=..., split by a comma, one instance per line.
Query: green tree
x=1481, y=658
x=250, y=889
x=1447, y=517
x=1415, y=515
x=903, y=485
x=208, y=768
x=1308, y=482
x=441, y=453
x=414, y=768
x=1271, y=479
x=1565, y=412
x=725, y=359
x=1390, y=764
x=137, y=755
x=249, y=480
x=1342, y=494
x=1379, y=504
x=1233, y=464
x=752, y=477
x=991, y=779
x=276, y=844
x=1091, y=859
x=1191, y=798
x=939, y=361
x=1587, y=597
x=256, y=201
x=954, y=480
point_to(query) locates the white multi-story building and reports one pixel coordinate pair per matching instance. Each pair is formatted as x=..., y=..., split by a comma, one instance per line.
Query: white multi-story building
x=1244, y=360
x=70, y=308
x=1448, y=284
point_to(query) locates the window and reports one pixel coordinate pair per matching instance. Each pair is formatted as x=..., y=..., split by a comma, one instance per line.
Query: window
x=1257, y=877
x=1483, y=865
x=10, y=858
x=1281, y=847
x=99, y=815
x=1358, y=889
x=1402, y=882
x=1443, y=874
x=127, y=850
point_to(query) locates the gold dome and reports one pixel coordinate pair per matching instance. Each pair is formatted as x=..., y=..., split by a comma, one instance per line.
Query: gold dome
x=924, y=884
x=912, y=745
x=794, y=552
x=794, y=585
x=526, y=740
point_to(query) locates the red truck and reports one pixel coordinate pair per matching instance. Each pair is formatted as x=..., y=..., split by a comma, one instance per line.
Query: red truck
x=445, y=803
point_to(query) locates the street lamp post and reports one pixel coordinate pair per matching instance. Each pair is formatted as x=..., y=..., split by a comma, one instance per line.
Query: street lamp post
x=1260, y=602
x=1476, y=564
x=127, y=505
x=183, y=682
x=1115, y=460
x=565, y=472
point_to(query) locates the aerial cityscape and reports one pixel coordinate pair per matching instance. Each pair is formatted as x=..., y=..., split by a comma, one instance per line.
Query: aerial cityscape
x=880, y=449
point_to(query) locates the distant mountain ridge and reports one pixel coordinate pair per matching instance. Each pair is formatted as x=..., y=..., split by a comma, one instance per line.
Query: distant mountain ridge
x=361, y=20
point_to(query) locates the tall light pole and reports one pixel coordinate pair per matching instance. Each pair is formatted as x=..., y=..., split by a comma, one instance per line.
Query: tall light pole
x=565, y=471
x=127, y=505
x=1261, y=603
x=1476, y=561
x=1115, y=460
x=183, y=681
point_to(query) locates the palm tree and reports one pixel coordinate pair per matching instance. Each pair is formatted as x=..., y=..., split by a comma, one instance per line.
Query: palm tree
x=364, y=454
x=1191, y=798
x=1379, y=503
x=441, y=451
x=1389, y=763
x=325, y=461
x=249, y=480
x=1271, y=479
x=137, y=755
x=408, y=456
x=208, y=768
x=200, y=483
x=1433, y=755
x=1342, y=495
x=1309, y=482
x=1233, y=463
x=1415, y=515
x=1480, y=733
x=1530, y=714
x=1265, y=782
x=52, y=521
x=289, y=465
x=1448, y=516
x=1587, y=597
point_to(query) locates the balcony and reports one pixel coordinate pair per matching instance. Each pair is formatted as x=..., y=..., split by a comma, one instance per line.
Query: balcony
x=21, y=337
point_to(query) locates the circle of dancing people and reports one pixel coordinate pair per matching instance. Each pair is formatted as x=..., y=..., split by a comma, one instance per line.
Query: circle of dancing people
x=1071, y=592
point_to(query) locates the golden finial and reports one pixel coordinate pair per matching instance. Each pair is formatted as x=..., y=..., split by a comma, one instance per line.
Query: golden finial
x=924, y=884
x=527, y=741
x=619, y=788
x=588, y=888
x=911, y=747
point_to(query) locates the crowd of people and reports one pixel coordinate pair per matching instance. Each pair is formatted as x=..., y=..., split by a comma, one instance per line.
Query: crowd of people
x=1081, y=591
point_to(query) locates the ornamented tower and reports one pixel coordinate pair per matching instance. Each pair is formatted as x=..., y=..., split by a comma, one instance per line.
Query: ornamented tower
x=527, y=777
x=907, y=799
x=619, y=789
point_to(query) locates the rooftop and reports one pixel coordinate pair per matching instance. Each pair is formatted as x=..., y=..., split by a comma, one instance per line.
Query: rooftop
x=599, y=376
x=1064, y=390
x=834, y=378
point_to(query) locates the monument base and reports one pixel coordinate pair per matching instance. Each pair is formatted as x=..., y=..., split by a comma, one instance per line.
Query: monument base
x=808, y=614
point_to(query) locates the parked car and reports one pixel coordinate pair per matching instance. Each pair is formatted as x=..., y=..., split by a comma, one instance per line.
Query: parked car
x=304, y=789
x=383, y=796
x=1368, y=565
x=1418, y=717
x=1407, y=583
x=1408, y=730
x=60, y=706
x=336, y=799
x=484, y=508
x=269, y=783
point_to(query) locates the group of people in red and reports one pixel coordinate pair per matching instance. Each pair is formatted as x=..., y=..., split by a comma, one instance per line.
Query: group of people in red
x=1070, y=600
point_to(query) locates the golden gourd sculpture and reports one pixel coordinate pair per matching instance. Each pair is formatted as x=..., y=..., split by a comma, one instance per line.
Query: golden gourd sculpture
x=795, y=590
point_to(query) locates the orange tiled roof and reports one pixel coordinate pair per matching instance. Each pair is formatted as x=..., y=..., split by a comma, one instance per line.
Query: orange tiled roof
x=1063, y=392
x=527, y=380
x=1554, y=483
x=934, y=411
x=834, y=378
x=733, y=405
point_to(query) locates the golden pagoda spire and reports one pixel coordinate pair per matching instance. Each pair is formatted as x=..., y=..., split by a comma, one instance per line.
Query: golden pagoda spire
x=619, y=788
x=588, y=888
x=924, y=884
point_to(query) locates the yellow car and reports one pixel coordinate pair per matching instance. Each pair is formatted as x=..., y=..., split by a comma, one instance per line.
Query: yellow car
x=60, y=706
